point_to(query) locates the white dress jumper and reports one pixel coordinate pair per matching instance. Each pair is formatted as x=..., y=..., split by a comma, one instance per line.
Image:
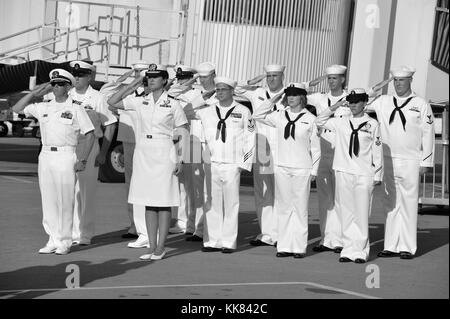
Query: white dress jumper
x=153, y=182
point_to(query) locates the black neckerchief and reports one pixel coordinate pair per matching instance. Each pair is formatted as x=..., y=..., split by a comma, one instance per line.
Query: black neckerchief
x=221, y=125
x=399, y=110
x=353, y=146
x=290, y=126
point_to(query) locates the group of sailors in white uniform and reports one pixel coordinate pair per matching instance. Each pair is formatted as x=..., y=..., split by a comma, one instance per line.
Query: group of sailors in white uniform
x=187, y=139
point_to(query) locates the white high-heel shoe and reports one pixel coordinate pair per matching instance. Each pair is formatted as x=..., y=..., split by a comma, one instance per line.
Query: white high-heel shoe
x=158, y=257
x=146, y=257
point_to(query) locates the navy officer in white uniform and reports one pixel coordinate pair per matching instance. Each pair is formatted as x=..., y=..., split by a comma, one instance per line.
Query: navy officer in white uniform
x=62, y=122
x=95, y=105
x=157, y=160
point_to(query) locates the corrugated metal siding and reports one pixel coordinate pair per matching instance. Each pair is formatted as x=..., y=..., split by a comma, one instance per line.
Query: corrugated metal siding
x=241, y=36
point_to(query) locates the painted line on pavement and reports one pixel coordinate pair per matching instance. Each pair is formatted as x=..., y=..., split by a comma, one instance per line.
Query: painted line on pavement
x=18, y=179
x=344, y=291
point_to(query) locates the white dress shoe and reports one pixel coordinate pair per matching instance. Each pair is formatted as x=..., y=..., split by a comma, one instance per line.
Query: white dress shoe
x=62, y=251
x=47, y=250
x=158, y=257
x=146, y=257
x=141, y=242
x=75, y=243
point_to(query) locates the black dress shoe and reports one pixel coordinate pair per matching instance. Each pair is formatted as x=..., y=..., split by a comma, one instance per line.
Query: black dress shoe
x=129, y=236
x=387, y=254
x=337, y=250
x=299, y=255
x=257, y=242
x=359, y=261
x=406, y=255
x=284, y=254
x=321, y=248
x=344, y=260
x=210, y=249
x=227, y=250
x=194, y=238
x=189, y=234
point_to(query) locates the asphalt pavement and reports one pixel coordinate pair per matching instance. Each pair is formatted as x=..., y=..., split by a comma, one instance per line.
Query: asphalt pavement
x=109, y=269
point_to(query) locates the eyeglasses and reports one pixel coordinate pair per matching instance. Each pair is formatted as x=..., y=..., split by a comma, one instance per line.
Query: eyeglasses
x=58, y=83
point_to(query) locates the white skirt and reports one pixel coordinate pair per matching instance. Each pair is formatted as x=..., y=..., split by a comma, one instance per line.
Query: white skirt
x=153, y=182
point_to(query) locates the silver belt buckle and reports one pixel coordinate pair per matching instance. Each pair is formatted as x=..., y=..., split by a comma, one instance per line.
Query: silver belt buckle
x=149, y=136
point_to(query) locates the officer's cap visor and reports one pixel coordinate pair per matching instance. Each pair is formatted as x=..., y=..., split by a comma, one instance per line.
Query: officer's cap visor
x=184, y=75
x=81, y=72
x=157, y=74
x=294, y=91
x=61, y=79
x=356, y=98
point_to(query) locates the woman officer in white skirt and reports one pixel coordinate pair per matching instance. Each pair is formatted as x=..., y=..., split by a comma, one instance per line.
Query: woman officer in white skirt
x=157, y=156
x=296, y=157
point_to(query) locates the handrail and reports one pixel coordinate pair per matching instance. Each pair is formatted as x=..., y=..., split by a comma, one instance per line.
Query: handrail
x=62, y=35
x=28, y=30
x=40, y=44
x=121, y=6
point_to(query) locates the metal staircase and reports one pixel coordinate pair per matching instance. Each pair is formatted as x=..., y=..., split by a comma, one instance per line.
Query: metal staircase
x=110, y=35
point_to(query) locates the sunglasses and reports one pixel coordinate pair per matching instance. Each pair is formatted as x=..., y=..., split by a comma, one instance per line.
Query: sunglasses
x=58, y=83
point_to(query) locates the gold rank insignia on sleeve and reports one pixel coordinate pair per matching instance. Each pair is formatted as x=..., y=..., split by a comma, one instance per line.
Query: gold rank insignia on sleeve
x=430, y=121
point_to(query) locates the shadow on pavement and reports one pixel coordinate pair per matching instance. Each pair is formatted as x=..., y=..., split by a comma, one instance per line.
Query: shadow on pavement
x=427, y=240
x=54, y=277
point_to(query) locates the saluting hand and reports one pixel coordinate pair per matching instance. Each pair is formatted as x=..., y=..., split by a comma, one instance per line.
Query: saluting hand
x=277, y=97
x=257, y=79
x=208, y=94
x=338, y=105
x=42, y=89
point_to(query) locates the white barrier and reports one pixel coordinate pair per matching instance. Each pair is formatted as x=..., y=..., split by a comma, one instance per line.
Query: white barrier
x=434, y=185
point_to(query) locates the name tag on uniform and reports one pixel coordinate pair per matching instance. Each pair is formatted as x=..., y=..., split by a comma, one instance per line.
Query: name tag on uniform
x=305, y=122
x=145, y=103
x=236, y=115
x=261, y=98
x=45, y=115
x=66, y=115
x=364, y=131
x=76, y=102
x=88, y=107
x=414, y=109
